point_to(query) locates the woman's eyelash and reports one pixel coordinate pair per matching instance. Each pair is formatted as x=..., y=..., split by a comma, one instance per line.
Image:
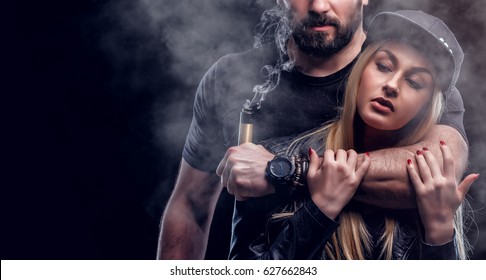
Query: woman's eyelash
x=382, y=67
x=414, y=84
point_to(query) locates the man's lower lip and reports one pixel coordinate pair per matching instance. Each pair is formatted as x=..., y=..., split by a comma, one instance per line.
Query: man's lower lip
x=322, y=28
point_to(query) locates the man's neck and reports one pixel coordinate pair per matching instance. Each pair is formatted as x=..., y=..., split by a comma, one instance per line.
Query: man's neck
x=322, y=67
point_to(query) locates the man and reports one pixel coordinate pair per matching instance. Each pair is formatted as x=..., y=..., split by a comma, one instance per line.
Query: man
x=310, y=69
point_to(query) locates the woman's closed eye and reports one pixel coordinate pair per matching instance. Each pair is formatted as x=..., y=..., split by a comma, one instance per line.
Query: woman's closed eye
x=382, y=67
x=414, y=84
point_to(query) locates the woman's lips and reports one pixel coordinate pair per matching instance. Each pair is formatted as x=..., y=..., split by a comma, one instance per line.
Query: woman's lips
x=382, y=104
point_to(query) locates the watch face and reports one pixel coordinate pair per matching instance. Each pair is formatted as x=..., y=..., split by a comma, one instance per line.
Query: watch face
x=280, y=167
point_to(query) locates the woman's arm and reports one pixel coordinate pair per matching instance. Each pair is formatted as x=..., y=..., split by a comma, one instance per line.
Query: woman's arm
x=438, y=193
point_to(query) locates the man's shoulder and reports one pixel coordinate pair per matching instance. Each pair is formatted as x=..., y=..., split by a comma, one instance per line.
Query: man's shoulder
x=255, y=57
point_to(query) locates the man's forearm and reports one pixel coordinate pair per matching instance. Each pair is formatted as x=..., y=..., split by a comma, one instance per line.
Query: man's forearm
x=185, y=226
x=181, y=238
x=387, y=183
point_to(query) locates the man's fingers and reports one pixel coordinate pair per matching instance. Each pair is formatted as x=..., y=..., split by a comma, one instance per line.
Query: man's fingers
x=225, y=176
x=222, y=164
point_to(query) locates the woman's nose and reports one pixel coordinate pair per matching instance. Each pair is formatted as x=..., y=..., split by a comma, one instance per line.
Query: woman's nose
x=390, y=87
x=390, y=91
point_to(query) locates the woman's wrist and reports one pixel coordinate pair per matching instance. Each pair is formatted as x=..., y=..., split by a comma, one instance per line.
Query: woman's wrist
x=439, y=234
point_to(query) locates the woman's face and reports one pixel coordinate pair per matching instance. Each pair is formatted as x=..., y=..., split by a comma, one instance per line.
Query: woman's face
x=395, y=86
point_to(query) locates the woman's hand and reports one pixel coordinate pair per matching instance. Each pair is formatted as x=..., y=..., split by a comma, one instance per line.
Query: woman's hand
x=333, y=183
x=438, y=195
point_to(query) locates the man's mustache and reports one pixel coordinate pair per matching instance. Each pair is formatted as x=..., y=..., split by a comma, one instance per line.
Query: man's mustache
x=316, y=20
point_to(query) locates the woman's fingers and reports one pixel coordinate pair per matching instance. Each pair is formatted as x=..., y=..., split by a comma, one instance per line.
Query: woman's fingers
x=363, y=168
x=352, y=159
x=313, y=163
x=329, y=158
x=448, y=160
x=423, y=167
x=433, y=164
x=466, y=183
x=341, y=156
x=414, y=176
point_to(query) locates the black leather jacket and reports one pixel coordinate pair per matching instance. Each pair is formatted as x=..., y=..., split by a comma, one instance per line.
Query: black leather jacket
x=304, y=235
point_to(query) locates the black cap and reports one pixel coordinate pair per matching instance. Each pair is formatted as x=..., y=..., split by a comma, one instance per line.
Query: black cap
x=428, y=34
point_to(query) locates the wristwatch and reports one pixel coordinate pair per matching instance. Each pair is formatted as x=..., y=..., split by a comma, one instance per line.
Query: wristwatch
x=280, y=170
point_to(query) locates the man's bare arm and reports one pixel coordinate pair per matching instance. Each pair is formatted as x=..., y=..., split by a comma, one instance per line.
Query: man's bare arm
x=187, y=218
x=387, y=183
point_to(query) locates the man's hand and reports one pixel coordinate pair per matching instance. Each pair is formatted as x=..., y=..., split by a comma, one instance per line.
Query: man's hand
x=242, y=171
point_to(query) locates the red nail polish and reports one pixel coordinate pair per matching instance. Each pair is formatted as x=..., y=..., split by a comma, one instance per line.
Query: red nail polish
x=367, y=154
x=409, y=161
x=310, y=151
x=419, y=152
x=442, y=143
x=425, y=148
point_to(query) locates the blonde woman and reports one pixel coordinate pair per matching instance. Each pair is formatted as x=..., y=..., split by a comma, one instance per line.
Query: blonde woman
x=394, y=95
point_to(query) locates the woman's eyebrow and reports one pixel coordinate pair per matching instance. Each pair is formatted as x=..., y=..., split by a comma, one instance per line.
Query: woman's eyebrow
x=391, y=56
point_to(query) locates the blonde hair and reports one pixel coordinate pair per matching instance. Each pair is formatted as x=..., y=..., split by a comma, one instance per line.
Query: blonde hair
x=352, y=239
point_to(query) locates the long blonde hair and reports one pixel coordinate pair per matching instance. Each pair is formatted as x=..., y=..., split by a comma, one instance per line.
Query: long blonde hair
x=352, y=239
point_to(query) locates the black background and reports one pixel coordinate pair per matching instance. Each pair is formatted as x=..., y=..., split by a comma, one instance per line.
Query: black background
x=98, y=103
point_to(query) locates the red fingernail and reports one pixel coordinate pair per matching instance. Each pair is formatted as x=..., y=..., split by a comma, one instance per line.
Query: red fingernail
x=419, y=152
x=310, y=151
x=425, y=148
x=367, y=154
x=409, y=161
x=442, y=143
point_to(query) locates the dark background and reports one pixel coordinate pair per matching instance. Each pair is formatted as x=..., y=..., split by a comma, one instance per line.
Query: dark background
x=98, y=98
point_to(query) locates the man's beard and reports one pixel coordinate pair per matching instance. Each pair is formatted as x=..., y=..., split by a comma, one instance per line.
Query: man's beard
x=319, y=44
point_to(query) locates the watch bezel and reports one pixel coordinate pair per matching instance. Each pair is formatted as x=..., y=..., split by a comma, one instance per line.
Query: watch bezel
x=281, y=178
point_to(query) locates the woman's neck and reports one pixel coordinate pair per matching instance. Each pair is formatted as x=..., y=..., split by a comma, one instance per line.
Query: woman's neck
x=372, y=139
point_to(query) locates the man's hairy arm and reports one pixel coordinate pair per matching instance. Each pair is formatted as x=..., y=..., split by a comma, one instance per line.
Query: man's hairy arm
x=188, y=215
x=387, y=183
